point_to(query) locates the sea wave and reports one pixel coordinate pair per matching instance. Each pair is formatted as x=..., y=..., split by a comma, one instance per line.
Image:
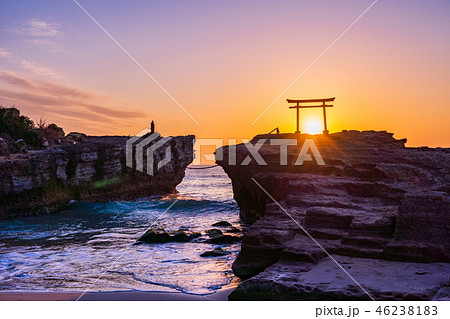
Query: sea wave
x=68, y=250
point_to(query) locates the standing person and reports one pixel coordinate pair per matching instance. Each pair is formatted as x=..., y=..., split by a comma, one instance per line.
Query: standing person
x=152, y=127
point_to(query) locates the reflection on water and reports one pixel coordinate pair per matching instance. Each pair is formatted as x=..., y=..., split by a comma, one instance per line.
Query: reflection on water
x=68, y=250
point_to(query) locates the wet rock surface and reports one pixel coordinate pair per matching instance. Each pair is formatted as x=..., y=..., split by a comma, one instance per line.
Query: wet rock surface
x=214, y=232
x=224, y=239
x=375, y=203
x=219, y=237
x=222, y=224
x=217, y=252
x=383, y=280
x=161, y=236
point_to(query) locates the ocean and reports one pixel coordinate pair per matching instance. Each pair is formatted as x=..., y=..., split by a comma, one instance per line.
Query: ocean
x=89, y=246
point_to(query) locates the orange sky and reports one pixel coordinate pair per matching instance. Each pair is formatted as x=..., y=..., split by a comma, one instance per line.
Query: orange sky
x=226, y=63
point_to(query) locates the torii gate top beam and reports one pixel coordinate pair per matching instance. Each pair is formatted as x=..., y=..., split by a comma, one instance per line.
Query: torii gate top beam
x=330, y=99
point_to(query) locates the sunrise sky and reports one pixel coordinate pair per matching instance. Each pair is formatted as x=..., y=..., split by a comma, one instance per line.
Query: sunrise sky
x=225, y=62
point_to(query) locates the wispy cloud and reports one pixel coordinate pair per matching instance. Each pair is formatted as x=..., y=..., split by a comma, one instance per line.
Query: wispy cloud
x=39, y=28
x=29, y=65
x=48, y=87
x=41, y=42
x=5, y=54
x=41, y=33
x=63, y=101
x=39, y=69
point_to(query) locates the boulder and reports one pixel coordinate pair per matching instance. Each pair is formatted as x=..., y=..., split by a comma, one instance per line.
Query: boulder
x=222, y=224
x=58, y=131
x=77, y=137
x=233, y=230
x=180, y=236
x=160, y=236
x=224, y=239
x=155, y=236
x=183, y=236
x=214, y=232
x=215, y=253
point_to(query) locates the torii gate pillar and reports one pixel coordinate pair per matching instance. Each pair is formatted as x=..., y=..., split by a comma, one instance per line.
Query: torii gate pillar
x=325, y=129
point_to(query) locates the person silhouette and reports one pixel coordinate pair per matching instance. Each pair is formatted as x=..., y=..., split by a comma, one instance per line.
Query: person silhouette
x=152, y=127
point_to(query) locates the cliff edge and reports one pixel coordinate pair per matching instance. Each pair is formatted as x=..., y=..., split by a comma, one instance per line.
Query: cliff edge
x=43, y=181
x=372, y=222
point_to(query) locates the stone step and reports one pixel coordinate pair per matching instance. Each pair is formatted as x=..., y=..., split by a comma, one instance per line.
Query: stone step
x=385, y=230
x=310, y=256
x=327, y=218
x=326, y=233
x=356, y=251
x=330, y=202
x=369, y=242
x=273, y=208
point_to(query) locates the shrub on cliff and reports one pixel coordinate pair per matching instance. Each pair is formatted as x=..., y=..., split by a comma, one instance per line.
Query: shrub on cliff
x=18, y=126
x=51, y=133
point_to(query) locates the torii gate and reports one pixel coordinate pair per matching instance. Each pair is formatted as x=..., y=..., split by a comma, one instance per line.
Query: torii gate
x=324, y=105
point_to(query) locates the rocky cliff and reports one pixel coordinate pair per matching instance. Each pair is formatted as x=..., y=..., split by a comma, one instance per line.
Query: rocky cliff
x=43, y=181
x=377, y=211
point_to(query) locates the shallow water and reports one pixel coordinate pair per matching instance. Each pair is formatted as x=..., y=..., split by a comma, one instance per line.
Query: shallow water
x=69, y=250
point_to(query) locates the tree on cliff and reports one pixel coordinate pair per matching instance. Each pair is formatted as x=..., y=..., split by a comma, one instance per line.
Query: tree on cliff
x=18, y=126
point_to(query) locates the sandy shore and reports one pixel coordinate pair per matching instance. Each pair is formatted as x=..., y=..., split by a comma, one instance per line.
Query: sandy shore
x=114, y=296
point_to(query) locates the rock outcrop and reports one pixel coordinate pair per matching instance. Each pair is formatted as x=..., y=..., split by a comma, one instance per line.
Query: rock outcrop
x=161, y=236
x=44, y=181
x=378, y=208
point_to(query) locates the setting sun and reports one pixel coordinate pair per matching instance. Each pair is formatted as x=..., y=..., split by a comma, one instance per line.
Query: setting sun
x=313, y=126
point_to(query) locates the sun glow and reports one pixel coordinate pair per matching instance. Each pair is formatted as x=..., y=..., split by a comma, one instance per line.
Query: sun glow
x=313, y=126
